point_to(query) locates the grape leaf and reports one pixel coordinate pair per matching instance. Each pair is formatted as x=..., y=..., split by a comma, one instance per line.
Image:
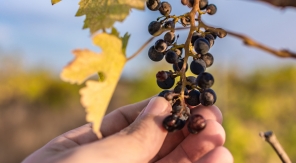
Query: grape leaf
x=101, y=14
x=96, y=96
x=53, y=2
x=281, y=3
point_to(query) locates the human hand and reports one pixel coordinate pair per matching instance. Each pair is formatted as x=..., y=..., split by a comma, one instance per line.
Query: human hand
x=134, y=134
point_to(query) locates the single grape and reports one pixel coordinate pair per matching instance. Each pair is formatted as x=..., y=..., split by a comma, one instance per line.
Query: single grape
x=160, y=45
x=221, y=32
x=172, y=123
x=205, y=80
x=196, y=123
x=212, y=33
x=167, y=83
x=211, y=9
x=165, y=8
x=191, y=81
x=208, y=97
x=154, y=27
x=178, y=89
x=208, y=58
x=193, y=99
x=162, y=93
x=184, y=2
x=155, y=55
x=169, y=38
x=201, y=46
x=180, y=65
x=171, y=57
x=162, y=75
x=194, y=37
x=197, y=66
x=185, y=21
x=169, y=24
x=153, y=5
x=202, y=4
x=169, y=96
x=177, y=107
x=210, y=39
x=179, y=51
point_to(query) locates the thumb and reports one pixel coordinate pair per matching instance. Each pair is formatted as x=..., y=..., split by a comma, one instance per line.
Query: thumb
x=140, y=141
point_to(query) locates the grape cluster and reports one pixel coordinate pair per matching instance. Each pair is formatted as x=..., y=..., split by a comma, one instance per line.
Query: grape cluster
x=196, y=89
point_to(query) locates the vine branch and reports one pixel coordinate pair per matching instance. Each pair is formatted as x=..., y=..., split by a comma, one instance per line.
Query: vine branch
x=140, y=49
x=270, y=137
x=251, y=42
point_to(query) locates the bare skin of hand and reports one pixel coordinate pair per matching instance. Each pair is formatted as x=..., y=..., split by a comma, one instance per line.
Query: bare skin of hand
x=134, y=134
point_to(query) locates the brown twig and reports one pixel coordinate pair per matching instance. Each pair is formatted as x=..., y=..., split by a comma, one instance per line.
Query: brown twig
x=140, y=49
x=250, y=42
x=270, y=137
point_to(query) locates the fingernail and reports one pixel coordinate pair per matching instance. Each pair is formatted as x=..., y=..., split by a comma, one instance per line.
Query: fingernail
x=156, y=106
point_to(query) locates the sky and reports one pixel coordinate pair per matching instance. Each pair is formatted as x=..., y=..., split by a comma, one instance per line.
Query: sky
x=44, y=35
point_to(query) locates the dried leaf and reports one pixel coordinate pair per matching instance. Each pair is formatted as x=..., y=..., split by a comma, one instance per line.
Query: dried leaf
x=53, y=2
x=101, y=14
x=281, y=3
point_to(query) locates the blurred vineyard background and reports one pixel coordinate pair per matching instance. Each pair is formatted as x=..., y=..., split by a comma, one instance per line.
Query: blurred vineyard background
x=36, y=106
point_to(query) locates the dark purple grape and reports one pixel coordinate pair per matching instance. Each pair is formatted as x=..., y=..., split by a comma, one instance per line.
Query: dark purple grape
x=197, y=66
x=178, y=89
x=167, y=83
x=191, y=80
x=194, y=37
x=153, y=5
x=169, y=38
x=196, y=124
x=172, y=123
x=162, y=75
x=201, y=46
x=169, y=24
x=212, y=33
x=165, y=8
x=160, y=45
x=208, y=97
x=205, y=80
x=180, y=65
x=208, y=58
x=154, y=27
x=179, y=51
x=155, y=55
x=162, y=93
x=193, y=99
x=176, y=108
x=171, y=57
x=210, y=39
x=211, y=9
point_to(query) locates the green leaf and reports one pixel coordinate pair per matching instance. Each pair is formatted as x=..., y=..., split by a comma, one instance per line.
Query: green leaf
x=125, y=39
x=53, y=2
x=102, y=14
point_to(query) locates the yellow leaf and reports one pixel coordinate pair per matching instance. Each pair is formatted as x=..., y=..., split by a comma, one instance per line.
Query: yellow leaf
x=87, y=63
x=96, y=96
x=53, y=2
x=101, y=14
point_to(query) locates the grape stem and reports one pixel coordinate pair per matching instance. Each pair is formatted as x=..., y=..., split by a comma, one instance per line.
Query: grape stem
x=270, y=137
x=194, y=10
